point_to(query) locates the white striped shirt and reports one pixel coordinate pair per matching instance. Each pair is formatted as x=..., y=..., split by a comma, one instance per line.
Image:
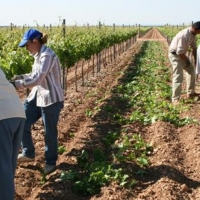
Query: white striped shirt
x=45, y=78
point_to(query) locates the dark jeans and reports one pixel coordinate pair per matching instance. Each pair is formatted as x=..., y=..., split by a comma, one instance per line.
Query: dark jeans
x=10, y=139
x=50, y=117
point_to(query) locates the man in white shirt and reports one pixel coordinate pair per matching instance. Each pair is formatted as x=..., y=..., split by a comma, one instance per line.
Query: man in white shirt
x=12, y=119
x=178, y=48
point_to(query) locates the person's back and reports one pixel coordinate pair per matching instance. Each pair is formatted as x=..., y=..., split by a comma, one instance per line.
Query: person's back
x=10, y=103
x=182, y=41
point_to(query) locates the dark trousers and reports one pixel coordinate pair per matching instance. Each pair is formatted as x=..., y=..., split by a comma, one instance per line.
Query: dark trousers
x=10, y=139
x=50, y=117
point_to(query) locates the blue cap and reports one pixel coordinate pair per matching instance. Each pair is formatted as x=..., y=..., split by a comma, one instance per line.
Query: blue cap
x=29, y=35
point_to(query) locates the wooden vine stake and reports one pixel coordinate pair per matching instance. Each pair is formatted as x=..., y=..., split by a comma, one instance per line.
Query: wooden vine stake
x=76, y=69
x=114, y=47
x=82, y=72
x=63, y=64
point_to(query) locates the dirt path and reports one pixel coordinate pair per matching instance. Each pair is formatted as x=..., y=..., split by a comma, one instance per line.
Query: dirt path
x=174, y=172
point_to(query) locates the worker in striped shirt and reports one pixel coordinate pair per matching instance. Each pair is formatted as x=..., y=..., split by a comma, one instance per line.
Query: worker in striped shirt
x=45, y=99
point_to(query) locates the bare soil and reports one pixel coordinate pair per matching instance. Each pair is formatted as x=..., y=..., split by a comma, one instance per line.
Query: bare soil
x=174, y=172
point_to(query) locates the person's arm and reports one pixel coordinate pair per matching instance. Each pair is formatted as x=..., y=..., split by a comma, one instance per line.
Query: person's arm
x=185, y=58
x=37, y=76
x=182, y=48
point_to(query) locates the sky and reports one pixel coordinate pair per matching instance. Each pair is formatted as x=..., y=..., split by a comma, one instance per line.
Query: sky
x=108, y=12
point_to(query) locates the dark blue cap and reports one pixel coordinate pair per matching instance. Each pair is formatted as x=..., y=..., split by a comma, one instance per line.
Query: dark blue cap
x=29, y=35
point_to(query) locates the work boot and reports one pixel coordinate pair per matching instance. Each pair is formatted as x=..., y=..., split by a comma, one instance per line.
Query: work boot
x=49, y=168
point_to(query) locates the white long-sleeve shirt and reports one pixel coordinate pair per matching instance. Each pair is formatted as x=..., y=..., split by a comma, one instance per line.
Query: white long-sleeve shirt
x=198, y=61
x=182, y=41
x=10, y=103
x=45, y=78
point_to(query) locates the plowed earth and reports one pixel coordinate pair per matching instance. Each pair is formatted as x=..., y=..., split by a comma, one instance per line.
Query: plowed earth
x=174, y=172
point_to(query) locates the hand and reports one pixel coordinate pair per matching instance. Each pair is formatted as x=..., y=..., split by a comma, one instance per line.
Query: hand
x=188, y=63
x=17, y=77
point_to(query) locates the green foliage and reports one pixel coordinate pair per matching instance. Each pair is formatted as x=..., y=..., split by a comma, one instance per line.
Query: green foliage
x=80, y=43
x=133, y=148
x=61, y=149
x=111, y=137
x=98, y=175
x=147, y=90
x=89, y=113
x=95, y=171
x=68, y=175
